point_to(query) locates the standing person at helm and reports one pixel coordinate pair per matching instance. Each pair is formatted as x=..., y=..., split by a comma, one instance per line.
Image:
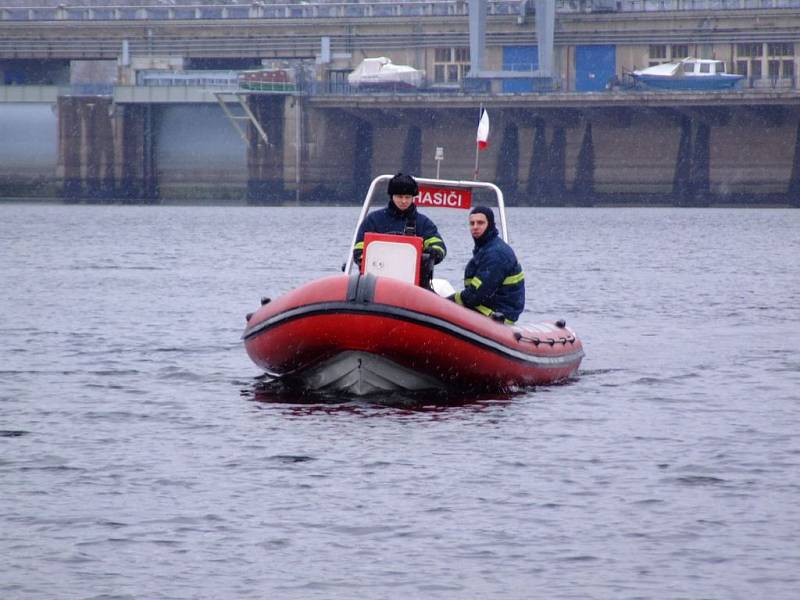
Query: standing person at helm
x=494, y=283
x=402, y=217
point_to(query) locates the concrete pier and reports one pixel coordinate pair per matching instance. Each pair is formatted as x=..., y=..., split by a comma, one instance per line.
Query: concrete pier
x=86, y=147
x=136, y=168
x=135, y=122
x=548, y=149
x=265, y=160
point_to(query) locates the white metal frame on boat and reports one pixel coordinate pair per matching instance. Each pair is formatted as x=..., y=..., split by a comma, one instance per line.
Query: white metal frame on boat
x=444, y=183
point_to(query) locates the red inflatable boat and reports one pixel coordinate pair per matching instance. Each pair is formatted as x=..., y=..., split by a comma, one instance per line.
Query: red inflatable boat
x=377, y=330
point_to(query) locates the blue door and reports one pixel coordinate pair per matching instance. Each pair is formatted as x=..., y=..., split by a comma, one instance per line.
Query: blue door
x=519, y=58
x=594, y=67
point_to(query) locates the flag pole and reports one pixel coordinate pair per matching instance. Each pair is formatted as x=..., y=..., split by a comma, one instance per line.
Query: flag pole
x=475, y=173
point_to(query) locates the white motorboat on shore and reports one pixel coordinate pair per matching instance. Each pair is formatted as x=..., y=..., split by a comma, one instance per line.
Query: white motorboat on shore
x=694, y=74
x=381, y=72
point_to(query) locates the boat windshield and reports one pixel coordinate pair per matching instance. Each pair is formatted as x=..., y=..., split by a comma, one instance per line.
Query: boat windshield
x=443, y=193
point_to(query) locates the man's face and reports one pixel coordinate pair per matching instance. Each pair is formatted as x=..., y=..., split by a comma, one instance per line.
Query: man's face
x=477, y=225
x=402, y=202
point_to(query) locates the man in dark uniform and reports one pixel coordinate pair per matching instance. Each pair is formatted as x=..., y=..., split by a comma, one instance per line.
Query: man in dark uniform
x=494, y=283
x=402, y=217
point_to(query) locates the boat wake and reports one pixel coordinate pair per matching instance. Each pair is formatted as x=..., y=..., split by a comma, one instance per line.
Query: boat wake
x=279, y=391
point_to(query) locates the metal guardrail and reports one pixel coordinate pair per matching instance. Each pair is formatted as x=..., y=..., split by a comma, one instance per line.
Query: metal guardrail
x=255, y=10
x=193, y=78
x=231, y=80
x=90, y=89
x=761, y=94
x=172, y=10
x=240, y=45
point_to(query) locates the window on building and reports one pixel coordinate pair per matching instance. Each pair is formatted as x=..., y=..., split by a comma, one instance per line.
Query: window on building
x=748, y=59
x=780, y=60
x=337, y=80
x=450, y=65
x=774, y=68
x=658, y=54
x=751, y=50
x=661, y=53
x=442, y=54
x=741, y=67
x=452, y=72
x=781, y=69
x=780, y=49
x=679, y=51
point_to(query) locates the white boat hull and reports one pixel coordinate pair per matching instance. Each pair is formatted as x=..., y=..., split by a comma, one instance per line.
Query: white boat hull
x=362, y=373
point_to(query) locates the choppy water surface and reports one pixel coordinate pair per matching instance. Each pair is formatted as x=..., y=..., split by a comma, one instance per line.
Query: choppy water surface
x=138, y=458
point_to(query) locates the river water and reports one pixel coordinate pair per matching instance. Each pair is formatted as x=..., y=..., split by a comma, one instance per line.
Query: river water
x=141, y=458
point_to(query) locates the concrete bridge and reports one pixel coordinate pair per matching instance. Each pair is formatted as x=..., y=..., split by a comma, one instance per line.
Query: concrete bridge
x=547, y=149
x=576, y=142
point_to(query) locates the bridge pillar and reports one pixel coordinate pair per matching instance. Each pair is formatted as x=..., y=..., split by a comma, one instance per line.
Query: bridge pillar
x=507, y=169
x=70, y=141
x=793, y=190
x=137, y=175
x=537, y=170
x=362, y=158
x=701, y=159
x=86, y=147
x=682, y=180
x=691, y=185
x=557, y=167
x=412, y=151
x=265, y=180
x=583, y=187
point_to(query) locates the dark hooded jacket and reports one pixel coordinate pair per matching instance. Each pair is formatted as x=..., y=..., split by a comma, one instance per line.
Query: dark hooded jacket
x=493, y=278
x=407, y=222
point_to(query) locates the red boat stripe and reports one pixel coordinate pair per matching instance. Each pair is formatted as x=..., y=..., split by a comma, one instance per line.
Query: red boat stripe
x=402, y=314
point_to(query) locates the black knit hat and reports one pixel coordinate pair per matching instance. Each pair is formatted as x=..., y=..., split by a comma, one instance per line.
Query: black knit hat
x=403, y=185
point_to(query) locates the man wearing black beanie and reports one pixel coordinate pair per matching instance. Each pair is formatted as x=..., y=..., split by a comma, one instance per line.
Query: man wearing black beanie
x=402, y=217
x=494, y=283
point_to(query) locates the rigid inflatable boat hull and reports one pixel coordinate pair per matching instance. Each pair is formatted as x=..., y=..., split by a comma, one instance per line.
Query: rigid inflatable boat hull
x=362, y=334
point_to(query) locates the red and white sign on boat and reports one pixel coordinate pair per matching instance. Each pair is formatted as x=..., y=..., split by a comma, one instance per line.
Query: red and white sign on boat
x=444, y=197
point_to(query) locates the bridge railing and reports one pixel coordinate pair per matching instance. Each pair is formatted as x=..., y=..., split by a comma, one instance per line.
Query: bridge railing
x=301, y=83
x=256, y=10
x=175, y=10
x=193, y=78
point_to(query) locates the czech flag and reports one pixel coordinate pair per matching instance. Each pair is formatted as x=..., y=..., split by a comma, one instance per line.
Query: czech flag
x=483, y=130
